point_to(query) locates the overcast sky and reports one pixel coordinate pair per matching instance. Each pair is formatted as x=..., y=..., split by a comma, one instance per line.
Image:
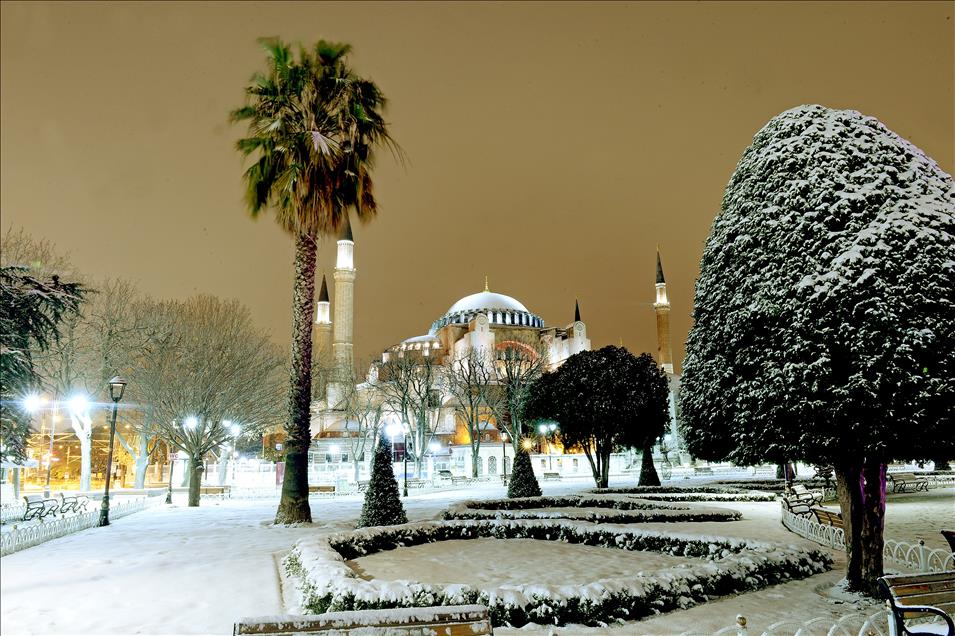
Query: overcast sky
x=551, y=146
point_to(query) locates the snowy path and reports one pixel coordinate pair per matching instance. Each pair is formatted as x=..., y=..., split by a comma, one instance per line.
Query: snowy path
x=178, y=570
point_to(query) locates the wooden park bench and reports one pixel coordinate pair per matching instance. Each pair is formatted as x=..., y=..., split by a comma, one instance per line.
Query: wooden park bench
x=950, y=537
x=902, y=481
x=702, y=470
x=39, y=507
x=315, y=488
x=797, y=506
x=457, y=481
x=417, y=483
x=919, y=595
x=363, y=486
x=550, y=476
x=813, y=498
x=828, y=517
x=454, y=620
x=72, y=503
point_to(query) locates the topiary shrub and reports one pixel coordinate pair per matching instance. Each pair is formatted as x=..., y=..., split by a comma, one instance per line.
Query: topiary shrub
x=382, y=505
x=523, y=483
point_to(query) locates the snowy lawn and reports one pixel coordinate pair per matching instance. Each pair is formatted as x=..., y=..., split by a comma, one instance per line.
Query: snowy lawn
x=543, y=562
x=174, y=570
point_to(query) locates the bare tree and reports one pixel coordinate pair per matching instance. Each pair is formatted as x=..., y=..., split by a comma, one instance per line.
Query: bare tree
x=518, y=364
x=470, y=380
x=210, y=369
x=409, y=383
x=364, y=411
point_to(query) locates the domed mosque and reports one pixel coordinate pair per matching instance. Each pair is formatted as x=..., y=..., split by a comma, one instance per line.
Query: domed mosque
x=347, y=410
x=483, y=321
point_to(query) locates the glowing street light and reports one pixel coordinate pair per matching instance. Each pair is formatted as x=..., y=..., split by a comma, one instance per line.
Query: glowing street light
x=191, y=422
x=33, y=403
x=117, y=386
x=78, y=404
x=235, y=429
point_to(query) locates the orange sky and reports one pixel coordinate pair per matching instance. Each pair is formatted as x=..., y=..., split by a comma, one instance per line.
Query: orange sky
x=551, y=146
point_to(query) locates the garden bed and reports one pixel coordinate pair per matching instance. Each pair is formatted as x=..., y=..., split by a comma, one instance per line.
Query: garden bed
x=695, y=493
x=720, y=566
x=593, y=508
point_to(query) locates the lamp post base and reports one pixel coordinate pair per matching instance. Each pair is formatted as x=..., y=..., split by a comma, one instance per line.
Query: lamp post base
x=104, y=512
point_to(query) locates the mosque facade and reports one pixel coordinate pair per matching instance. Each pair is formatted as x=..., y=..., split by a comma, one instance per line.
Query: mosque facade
x=484, y=321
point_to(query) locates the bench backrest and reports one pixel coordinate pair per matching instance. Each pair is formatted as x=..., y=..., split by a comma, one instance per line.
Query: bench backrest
x=459, y=620
x=828, y=517
x=902, y=476
x=936, y=589
x=34, y=498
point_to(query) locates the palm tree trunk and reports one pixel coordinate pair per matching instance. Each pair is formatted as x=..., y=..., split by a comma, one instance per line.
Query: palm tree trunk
x=293, y=507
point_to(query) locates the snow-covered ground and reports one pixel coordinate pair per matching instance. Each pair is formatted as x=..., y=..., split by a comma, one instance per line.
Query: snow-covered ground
x=179, y=570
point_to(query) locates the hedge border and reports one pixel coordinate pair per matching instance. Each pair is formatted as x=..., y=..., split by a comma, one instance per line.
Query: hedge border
x=619, y=510
x=697, y=493
x=727, y=566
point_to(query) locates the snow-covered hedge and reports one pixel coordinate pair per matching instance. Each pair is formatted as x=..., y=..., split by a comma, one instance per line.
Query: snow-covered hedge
x=696, y=493
x=600, y=509
x=725, y=566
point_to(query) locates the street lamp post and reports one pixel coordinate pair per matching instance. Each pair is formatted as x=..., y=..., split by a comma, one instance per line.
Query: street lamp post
x=504, y=454
x=404, y=490
x=170, y=458
x=116, y=387
x=31, y=404
x=235, y=430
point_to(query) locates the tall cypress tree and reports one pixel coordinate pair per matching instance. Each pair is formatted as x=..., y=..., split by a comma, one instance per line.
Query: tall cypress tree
x=382, y=501
x=523, y=483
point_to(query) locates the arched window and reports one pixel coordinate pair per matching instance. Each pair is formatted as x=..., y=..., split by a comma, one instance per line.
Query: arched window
x=480, y=467
x=507, y=464
x=492, y=465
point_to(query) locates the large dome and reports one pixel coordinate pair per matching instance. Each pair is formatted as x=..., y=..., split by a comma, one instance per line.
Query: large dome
x=499, y=309
x=486, y=300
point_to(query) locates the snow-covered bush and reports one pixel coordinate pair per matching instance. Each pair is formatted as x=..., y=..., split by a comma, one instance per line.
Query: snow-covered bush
x=599, y=509
x=824, y=314
x=725, y=566
x=523, y=482
x=698, y=493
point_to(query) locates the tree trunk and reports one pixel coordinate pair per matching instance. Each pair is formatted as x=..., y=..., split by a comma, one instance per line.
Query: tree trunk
x=223, y=467
x=873, y=523
x=357, y=469
x=142, y=462
x=475, y=458
x=594, y=464
x=86, y=448
x=186, y=464
x=605, y=469
x=849, y=489
x=648, y=472
x=83, y=427
x=195, y=480
x=293, y=507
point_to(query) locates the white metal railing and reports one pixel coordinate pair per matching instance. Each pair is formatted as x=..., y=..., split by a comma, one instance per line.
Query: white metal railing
x=12, y=512
x=918, y=557
x=807, y=528
x=849, y=625
x=915, y=557
x=26, y=536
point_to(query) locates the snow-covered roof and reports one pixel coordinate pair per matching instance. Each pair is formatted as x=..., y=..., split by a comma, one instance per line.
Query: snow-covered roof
x=486, y=300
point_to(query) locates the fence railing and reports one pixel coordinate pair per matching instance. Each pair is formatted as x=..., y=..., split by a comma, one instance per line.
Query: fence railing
x=915, y=557
x=31, y=534
x=849, y=625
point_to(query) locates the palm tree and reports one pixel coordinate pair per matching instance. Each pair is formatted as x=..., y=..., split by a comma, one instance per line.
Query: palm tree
x=313, y=126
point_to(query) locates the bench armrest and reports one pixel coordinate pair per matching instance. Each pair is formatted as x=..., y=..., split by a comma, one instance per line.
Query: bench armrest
x=925, y=609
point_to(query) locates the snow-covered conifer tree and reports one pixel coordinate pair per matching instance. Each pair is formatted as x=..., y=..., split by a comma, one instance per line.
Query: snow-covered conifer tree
x=523, y=482
x=382, y=505
x=824, y=319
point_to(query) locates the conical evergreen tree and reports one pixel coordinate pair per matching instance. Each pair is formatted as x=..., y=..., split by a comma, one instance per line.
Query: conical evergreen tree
x=523, y=483
x=382, y=501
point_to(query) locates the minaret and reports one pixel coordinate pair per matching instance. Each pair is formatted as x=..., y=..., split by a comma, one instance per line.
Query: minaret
x=322, y=340
x=576, y=310
x=662, y=309
x=344, y=305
